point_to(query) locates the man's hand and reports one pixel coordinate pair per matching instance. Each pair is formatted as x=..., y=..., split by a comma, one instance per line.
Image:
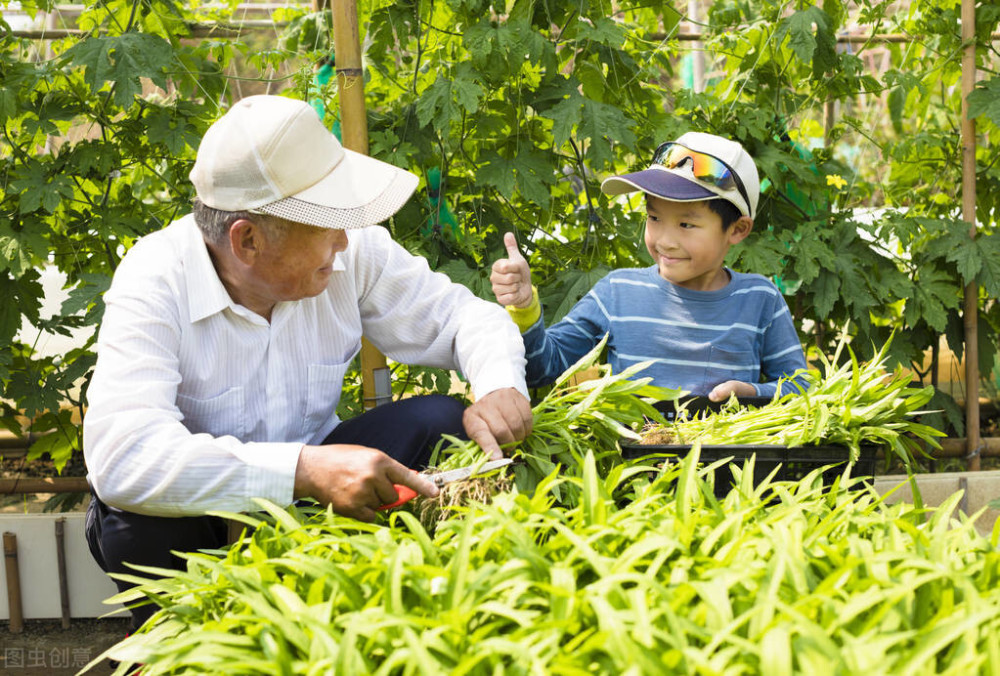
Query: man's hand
x=722, y=391
x=354, y=480
x=511, y=276
x=501, y=417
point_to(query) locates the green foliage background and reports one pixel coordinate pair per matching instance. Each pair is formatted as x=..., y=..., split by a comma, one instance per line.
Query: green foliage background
x=523, y=107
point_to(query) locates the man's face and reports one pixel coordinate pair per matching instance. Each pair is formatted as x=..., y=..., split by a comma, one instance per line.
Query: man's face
x=298, y=262
x=687, y=242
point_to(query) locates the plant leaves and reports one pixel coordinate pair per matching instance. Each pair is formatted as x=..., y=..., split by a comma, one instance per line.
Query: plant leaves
x=123, y=60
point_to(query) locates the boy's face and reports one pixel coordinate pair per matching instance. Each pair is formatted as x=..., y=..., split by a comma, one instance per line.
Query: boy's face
x=688, y=244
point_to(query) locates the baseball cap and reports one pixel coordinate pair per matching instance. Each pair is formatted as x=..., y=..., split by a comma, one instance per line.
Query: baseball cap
x=697, y=166
x=272, y=155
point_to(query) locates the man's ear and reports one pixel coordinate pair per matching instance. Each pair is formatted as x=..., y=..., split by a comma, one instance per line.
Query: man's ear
x=740, y=228
x=245, y=240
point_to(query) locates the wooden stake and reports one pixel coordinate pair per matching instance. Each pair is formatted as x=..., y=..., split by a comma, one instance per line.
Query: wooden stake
x=61, y=565
x=955, y=447
x=62, y=484
x=829, y=119
x=354, y=129
x=970, y=310
x=13, y=583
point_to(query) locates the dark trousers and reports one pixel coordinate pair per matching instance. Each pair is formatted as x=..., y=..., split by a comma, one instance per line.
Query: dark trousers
x=407, y=430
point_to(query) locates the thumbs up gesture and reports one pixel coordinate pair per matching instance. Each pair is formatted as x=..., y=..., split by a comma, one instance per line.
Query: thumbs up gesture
x=511, y=276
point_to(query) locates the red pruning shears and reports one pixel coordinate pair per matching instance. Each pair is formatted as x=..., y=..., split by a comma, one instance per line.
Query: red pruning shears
x=441, y=478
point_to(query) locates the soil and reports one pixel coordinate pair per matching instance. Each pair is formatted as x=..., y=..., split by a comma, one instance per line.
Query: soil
x=44, y=648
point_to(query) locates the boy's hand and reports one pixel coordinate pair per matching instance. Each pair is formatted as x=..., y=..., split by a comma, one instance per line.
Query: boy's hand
x=722, y=391
x=511, y=277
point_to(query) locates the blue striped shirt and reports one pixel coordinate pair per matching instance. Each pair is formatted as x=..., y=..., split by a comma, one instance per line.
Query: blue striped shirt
x=696, y=339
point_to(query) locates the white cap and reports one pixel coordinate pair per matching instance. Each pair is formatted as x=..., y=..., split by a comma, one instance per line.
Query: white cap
x=272, y=155
x=680, y=185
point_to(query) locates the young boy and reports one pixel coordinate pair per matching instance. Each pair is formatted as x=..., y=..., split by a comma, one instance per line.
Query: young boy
x=707, y=329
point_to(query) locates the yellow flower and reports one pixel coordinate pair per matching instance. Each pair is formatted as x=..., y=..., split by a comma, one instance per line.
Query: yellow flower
x=836, y=180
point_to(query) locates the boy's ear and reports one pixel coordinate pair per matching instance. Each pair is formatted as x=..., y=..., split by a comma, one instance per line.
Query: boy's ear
x=739, y=230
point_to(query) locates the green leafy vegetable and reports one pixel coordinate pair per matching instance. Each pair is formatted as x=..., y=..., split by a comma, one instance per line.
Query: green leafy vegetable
x=633, y=579
x=848, y=405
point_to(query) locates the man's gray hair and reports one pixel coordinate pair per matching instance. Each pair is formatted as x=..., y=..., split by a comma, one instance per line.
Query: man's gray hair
x=215, y=223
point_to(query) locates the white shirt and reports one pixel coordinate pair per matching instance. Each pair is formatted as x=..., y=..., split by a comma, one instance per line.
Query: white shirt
x=198, y=404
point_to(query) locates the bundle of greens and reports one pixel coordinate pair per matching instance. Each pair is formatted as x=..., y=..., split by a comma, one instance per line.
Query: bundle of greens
x=573, y=419
x=850, y=405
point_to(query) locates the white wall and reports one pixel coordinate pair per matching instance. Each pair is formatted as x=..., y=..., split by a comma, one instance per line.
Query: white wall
x=39, y=573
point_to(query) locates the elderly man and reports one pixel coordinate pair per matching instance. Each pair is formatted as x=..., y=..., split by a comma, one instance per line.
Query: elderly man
x=227, y=334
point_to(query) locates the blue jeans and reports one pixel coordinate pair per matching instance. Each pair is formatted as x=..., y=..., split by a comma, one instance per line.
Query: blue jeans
x=406, y=430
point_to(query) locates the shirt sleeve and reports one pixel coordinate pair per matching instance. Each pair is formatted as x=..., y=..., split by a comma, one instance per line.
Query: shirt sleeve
x=550, y=351
x=140, y=457
x=782, y=355
x=417, y=316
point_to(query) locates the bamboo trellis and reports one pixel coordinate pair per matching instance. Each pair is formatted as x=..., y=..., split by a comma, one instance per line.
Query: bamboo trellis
x=970, y=311
x=375, y=371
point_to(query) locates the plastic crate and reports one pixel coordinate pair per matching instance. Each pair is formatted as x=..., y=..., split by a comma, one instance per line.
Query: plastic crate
x=698, y=404
x=792, y=462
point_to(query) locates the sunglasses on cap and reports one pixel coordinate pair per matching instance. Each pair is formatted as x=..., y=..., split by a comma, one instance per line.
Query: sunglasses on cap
x=705, y=167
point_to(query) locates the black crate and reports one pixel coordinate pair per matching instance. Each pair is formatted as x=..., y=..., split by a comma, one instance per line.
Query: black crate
x=792, y=462
x=695, y=405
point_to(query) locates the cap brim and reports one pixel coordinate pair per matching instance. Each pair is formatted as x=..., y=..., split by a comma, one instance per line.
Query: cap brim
x=658, y=182
x=360, y=191
x=670, y=185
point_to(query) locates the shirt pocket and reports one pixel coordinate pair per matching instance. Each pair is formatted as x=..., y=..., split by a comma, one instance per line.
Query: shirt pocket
x=325, y=382
x=726, y=364
x=221, y=415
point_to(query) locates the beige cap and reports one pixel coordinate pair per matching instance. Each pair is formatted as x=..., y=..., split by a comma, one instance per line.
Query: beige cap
x=272, y=155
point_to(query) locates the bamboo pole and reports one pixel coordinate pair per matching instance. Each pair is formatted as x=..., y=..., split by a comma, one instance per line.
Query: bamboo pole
x=970, y=313
x=16, y=625
x=196, y=30
x=829, y=120
x=354, y=129
x=69, y=484
x=61, y=567
x=954, y=447
x=10, y=441
x=235, y=29
x=697, y=55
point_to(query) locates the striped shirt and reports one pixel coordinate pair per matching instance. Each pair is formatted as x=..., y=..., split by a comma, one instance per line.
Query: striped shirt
x=695, y=339
x=197, y=403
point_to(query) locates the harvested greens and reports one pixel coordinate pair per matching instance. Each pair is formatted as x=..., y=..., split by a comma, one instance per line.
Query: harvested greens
x=848, y=405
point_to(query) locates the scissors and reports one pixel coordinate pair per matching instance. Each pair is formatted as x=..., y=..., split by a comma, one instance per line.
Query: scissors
x=441, y=478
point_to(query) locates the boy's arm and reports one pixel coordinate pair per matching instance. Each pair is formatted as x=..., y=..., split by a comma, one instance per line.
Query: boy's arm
x=548, y=351
x=782, y=355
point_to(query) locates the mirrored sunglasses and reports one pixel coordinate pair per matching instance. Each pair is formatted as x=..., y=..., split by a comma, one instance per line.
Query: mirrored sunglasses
x=705, y=167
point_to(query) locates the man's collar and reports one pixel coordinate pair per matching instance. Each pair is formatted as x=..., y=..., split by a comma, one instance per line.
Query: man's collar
x=206, y=294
